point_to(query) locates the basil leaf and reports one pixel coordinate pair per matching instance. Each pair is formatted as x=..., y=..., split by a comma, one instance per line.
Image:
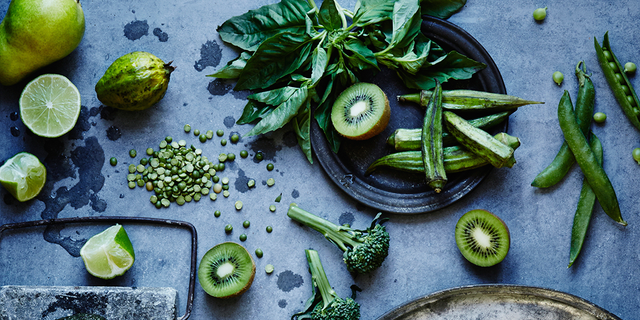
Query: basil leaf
x=442, y=9
x=452, y=66
x=362, y=58
x=253, y=111
x=406, y=23
x=233, y=68
x=275, y=58
x=247, y=31
x=413, y=57
x=330, y=16
x=302, y=126
x=319, y=64
x=372, y=11
x=273, y=97
x=282, y=114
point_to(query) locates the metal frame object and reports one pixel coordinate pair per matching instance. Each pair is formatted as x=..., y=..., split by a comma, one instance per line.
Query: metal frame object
x=113, y=219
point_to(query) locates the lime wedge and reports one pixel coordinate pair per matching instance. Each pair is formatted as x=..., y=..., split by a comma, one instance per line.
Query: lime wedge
x=50, y=105
x=109, y=253
x=23, y=176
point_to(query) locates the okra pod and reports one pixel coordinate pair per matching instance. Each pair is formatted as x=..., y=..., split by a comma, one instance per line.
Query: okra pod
x=456, y=158
x=586, y=159
x=618, y=81
x=564, y=159
x=584, y=209
x=470, y=100
x=478, y=141
x=431, y=142
x=410, y=139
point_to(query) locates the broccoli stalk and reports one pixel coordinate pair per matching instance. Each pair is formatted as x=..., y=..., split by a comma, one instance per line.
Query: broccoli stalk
x=364, y=250
x=328, y=305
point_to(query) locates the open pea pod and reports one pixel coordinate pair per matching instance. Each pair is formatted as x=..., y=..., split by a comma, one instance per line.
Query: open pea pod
x=618, y=81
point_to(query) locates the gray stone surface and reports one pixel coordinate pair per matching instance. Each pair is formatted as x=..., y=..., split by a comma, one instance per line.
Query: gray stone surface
x=54, y=302
x=423, y=256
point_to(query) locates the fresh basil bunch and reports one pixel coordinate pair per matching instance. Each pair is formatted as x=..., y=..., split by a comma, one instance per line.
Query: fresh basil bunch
x=295, y=53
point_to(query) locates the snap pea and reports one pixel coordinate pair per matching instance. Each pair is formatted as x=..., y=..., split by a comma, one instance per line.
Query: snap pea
x=618, y=81
x=586, y=159
x=431, y=146
x=564, y=159
x=584, y=210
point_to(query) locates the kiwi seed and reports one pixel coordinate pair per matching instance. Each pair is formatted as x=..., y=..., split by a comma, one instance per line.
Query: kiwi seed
x=482, y=238
x=226, y=270
x=361, y=111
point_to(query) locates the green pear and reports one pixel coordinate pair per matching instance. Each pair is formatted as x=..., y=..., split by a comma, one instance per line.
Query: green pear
x=36, y=33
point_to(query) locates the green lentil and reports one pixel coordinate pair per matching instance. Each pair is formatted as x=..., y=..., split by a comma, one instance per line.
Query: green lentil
x=187, y=128
x=222, y=157
x=269, y=269
x=217, y=213
x=235, y=138
x=259, y=253
x=272, y=208
x=244, y=154
x=269, y=229
x=220, y=133
x=243, y=237
x=132, y=168
x=225, y=180
x=238, y=205
x=271, y=182
x=226, y=193
x=132, y=184
x=251, y=183
x=149, y=151
x=213, y=196
x=228, y=228
x=113, y=161
x=140, y=182
x=209, y=134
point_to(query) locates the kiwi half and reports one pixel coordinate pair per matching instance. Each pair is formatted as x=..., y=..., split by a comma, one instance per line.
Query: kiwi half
x=482, y=238
x=361, y=111
x=226, y=270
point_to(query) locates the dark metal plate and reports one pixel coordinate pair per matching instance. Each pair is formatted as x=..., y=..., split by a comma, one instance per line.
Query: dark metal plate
x=400, y=192
x=499, y=302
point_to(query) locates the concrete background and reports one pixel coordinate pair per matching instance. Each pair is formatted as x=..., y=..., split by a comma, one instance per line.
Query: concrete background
x=423, y=256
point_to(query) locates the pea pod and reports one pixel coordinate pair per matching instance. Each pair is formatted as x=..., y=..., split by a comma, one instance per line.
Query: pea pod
x=618, y=81
x=431, y=146
x=586, y=159
x=478, y=141
x=470, y=100
x=584, y=210
x=564, y=159
x=410, y=139
x=456, y=158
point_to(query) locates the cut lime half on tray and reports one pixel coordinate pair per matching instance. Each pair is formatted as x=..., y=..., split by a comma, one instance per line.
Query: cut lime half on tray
x=50, y=105
x=109, y=253
x=23, y=175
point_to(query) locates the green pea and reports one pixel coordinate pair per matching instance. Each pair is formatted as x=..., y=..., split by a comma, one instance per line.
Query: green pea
x=270, y=166
x=133, y=153
x=558, y=77
x=599, y=117
x=223, y=142
x=235, y=138
x=213, y=196
x=132, y=184
x=251, y=183
x=625, y=89
x=196, y=132
x=215, y=179
x=244, y=153
x=607, y=55
x=238, y=206
x=246, y=224
x=243, y=237
x=620, y=78
x=259, y=156
x=636, y=155
x=220, y=133
x=271, y=182
x=259, y=253
x=272, y=208
x=187, y=128
x=269, y=269
x=613, y=66
x=221, y=166
x=113, y=161
x=540, y=13
x=630, y=67
x=168, y=139
x=202, y=138
x=149, y=151
x=269, y=229
x=144, y=161
x=217, y=213
x=228, y=228
x=209, y=134
x=226, y=193
x=231, y=156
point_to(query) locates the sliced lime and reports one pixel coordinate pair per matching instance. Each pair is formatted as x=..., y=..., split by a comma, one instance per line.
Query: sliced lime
x=50, y=105
x=23, y=176
x=109, y=253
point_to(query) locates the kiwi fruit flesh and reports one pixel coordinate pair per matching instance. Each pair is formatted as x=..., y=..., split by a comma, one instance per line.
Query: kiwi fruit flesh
x=361, y=111
x=482, y=238
x=226, y=270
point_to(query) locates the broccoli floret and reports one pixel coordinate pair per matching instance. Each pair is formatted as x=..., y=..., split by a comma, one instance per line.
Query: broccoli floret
x=328, y=305
x=364, y=250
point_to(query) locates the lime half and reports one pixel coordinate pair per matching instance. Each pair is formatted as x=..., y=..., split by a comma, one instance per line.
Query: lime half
x=50, y=105
x=23, y=176
x=109, y=253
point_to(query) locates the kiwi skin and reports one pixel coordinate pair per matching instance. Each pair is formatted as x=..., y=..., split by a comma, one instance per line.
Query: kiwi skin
x=202, y=272
x=377, y=128
x=494, y=222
